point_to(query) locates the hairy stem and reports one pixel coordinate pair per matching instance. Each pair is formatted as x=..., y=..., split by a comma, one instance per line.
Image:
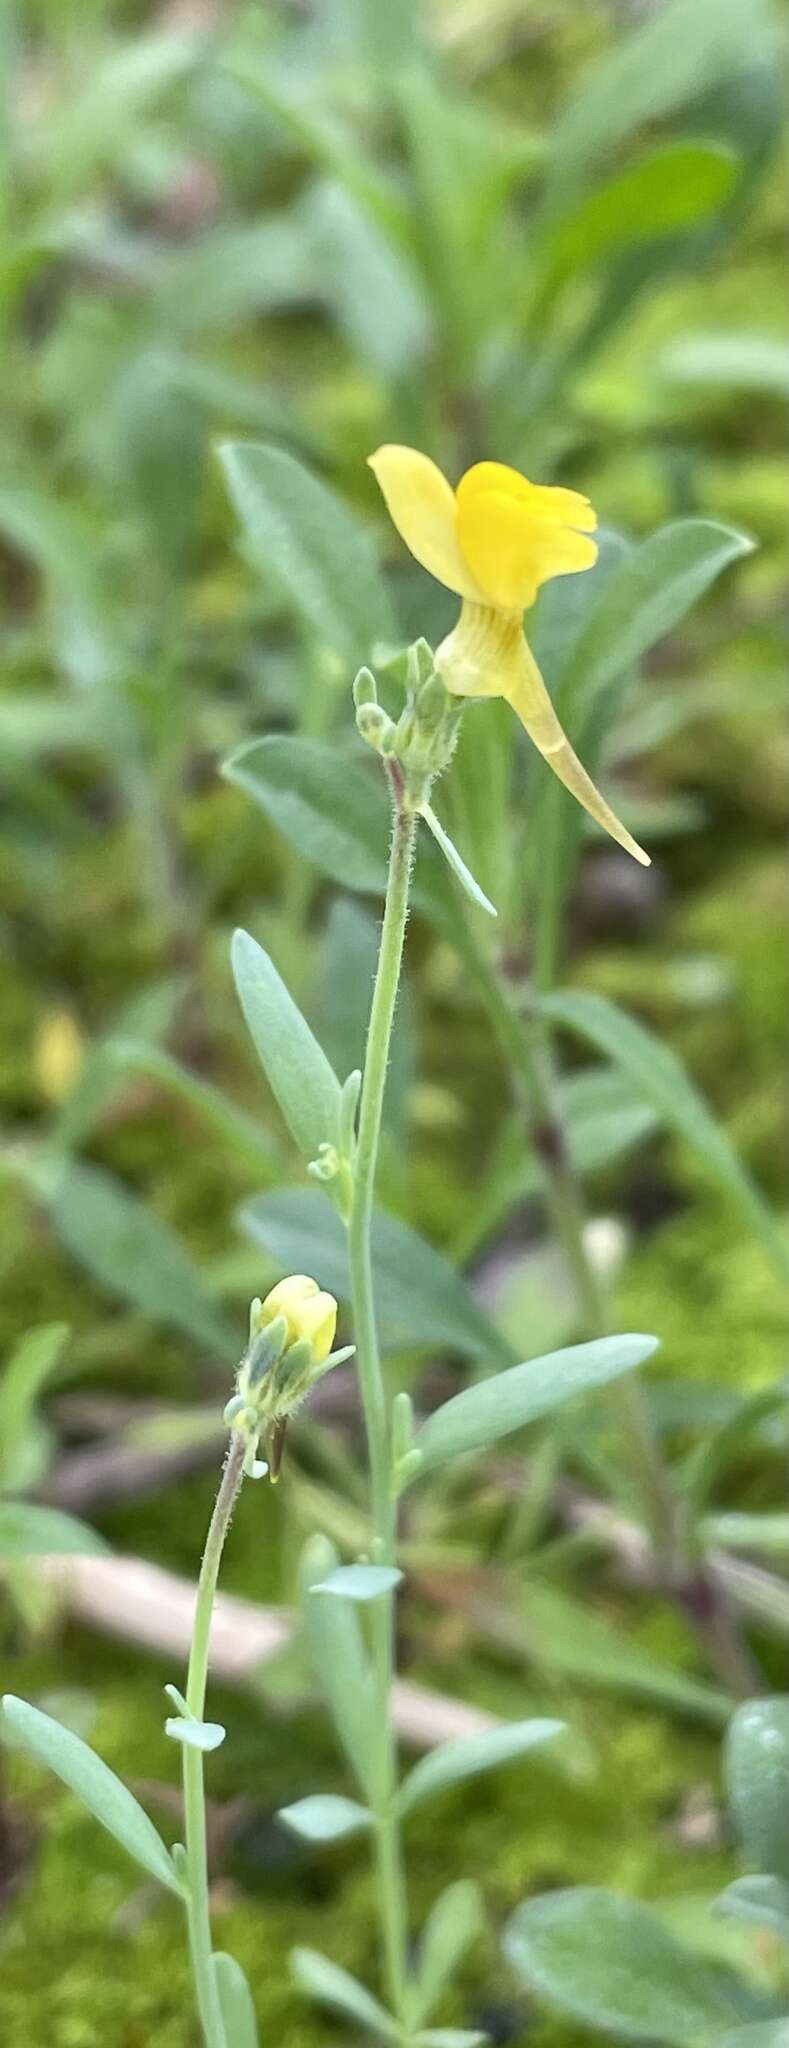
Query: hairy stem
x=391, y=1882
x=194, y=1792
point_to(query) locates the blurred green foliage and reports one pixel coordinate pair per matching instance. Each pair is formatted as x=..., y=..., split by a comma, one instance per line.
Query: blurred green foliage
x=553, y=237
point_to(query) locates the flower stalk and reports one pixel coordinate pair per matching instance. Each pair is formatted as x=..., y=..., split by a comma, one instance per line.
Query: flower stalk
x=197, y=1904
x=391, y=1879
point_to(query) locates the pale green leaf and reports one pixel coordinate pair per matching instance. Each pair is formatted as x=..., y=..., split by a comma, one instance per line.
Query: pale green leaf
x=455, y=1761
x=193, y=1734
x=653, y=1068
x=565, y=1637
x=325, y=1817
x=763, y=1901
x=757, y=1769
x=763, y=2034
x=336, y=1988
x=451, y=2037
x=767, y=1534
x=664, y=191
x=298, y=1072
x=507, y=1401
x=454, y=1921
x=94, y=1783
x=644, y=598
x=735, y=362
x=361, y=1582
x=340, y=1663
x=235, y=2001
x=127, y=1248
x=667, y=59
x=612, y=1963
x=336, y=813
x=247, y=1139
x=421, y=1299
x=25, y=1375
x=27, y=1530
x=305, y=540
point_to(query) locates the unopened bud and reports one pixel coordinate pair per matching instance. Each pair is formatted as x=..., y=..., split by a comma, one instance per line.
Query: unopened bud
x=364, y=688
x=375, y=727
x=431, y=704
x=421, y=662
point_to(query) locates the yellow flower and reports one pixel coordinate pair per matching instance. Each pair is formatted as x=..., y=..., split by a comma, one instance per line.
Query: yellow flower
x=307, y=1311
x=494, y=541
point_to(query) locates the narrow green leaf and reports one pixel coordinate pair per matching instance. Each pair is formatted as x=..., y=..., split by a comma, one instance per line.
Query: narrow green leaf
x=235, y=2000
x=331, y=1986
x=328, y=142
x=127, y=1248
x=202, y=1735
x=248, y=1139
x=611, y=1963
x=763, y=2034
x=333, y=810
x=336, y=813
x=664, y=191
x=655, y=1069
x=302, y=536
x=737, y=362
x=372, y=290
x=455, y=1761
x=93, y=1782
x=645, y=597
x=421, y=1299
x=298, y=1072
x=564, y=1637
x=361, y=1582
x=762, y=1900
x=757, y=1770
x=454, y=1921
x=767, y=1534
x=508, y=1400
x=30, y=1366
x=451, y=2037
x=27, y=1530
x=457, y=864
x=340, y=1663
x=667, y=60
x=325, y=1817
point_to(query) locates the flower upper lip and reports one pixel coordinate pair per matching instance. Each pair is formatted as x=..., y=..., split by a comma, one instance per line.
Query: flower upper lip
x=496, y=538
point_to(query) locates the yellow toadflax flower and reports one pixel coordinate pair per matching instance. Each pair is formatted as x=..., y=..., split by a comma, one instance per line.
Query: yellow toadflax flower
x=494, y=541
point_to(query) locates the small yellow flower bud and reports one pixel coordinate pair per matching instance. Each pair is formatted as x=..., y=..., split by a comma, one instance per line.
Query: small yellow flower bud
x=308, y=1313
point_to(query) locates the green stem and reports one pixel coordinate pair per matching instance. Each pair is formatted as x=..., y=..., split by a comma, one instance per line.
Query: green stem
x=391, y=1881
x=525, y=1043
x=197, y=1908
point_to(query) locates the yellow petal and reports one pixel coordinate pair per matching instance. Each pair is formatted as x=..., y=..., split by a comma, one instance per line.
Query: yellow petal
x=511, y=551
x=529, y=698
x=545, y=501
x=421, y=504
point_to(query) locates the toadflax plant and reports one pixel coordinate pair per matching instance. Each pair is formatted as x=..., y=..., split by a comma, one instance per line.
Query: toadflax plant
x=494, y=543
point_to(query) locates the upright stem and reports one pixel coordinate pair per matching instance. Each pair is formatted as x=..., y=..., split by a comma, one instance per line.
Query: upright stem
x=384, y=1514
x=696, y=1590
x=198, y=1916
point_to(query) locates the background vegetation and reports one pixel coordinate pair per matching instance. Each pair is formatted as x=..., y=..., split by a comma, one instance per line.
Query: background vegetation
x=547, y=234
